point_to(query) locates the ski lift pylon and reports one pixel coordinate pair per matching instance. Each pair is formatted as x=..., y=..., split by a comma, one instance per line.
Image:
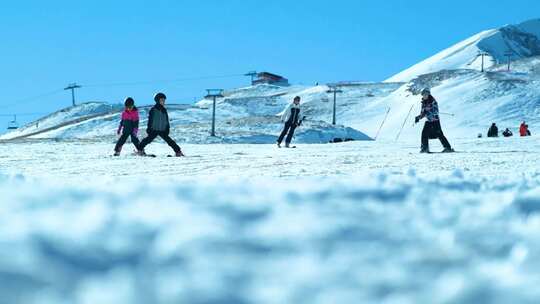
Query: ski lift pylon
x=13, y=125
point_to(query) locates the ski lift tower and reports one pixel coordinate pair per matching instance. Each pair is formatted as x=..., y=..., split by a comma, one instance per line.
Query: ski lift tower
x=72, y=87
x=483, y=54
x=334, y=89
x=213, y=94
x=252, y=74
x=13, y=125
x=509, y=54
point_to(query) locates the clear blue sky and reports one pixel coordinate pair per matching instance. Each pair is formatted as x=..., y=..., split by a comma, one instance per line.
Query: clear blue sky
x=47, y=44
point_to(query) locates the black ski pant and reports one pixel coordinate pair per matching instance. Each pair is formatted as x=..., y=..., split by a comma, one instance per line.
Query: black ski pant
x=164, y=135
x=287, y=130
x=433, y=130
x=122, y=140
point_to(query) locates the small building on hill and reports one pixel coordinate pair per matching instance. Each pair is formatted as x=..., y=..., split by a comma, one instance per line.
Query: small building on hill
x=269, y=78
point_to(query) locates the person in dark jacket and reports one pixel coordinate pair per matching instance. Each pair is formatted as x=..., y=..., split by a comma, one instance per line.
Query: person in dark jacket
x=507, y=133
x=129, y=126
x=291, y=118
x=432, y=127
x=158, y=125
x=493, y=131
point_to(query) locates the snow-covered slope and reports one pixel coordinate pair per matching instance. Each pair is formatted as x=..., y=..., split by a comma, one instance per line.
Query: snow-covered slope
x=469, y=101
x=522, y=40
x=245, y=115
x=360, y=222
x=67, y=115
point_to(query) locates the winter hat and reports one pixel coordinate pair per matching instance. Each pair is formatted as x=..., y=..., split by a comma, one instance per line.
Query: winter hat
x=129, y=102
x=426, y=91
x=158, y=96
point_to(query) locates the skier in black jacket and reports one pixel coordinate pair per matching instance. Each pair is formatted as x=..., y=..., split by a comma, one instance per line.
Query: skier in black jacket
x=158, y=125
x=432, y=127
x=291, y=118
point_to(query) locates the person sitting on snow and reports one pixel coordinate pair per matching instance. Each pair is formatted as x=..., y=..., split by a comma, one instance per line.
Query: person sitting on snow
x=493, y=131
x=432, y=127
x=524, y=130
x=291, y=118
x=507, y=133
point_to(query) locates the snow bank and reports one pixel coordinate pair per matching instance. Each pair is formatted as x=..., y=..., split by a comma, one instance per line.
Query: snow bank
x=372, y=239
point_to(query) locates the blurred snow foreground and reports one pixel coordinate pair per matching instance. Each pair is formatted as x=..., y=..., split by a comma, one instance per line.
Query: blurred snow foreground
x=362, y=222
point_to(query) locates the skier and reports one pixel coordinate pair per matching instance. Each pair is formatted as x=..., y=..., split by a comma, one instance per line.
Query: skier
x=129, y=126
x=493, y=131
x=432, y=127
x=158, y=125
x=507, y=133
x=290, y=117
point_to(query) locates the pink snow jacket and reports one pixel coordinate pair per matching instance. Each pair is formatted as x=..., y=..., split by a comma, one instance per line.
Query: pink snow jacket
x=130, y=122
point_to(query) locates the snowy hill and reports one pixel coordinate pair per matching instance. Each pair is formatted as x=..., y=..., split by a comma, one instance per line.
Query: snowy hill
x=245, y=115
x=522, y=40
x=65, y=116
x=469, y=101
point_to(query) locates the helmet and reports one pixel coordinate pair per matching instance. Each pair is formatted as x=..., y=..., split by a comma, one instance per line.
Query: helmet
x=158, y=96
x=426, y=91
x=129, y=102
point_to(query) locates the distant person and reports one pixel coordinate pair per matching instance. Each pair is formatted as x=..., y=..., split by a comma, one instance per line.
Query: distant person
x=524, y=130
x=432, y=127
x=291, y=118
x=129, y=126
x=159, y=125
x=507, y=133
x=493, y=131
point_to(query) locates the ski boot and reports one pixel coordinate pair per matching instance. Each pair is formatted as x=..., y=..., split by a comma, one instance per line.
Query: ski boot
x=117, y=151
x=287, y=145
x=424, y=150
x=278, y=144
x=140, y=153
x=448, y=150
x=179, y=154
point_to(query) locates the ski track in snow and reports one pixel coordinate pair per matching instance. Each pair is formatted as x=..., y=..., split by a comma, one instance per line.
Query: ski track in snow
x=360, y=222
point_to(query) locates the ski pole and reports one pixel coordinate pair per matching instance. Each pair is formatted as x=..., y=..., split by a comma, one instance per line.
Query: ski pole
x=449, y=114
x=384, y=120
x=406, y=118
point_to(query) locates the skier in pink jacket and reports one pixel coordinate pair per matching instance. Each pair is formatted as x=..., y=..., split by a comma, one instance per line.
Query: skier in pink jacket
x=129, y=126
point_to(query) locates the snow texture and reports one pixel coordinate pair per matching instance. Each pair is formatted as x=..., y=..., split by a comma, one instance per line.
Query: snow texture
x=360, y=222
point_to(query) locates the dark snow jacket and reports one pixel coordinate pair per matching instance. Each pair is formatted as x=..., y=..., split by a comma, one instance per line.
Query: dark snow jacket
x=507, y=133
x=158, y=119
x=493, y=131
x=430, y=109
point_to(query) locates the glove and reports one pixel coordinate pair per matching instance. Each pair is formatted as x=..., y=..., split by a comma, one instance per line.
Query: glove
x=417, y=119
x=135, y=131
x=118, y=131
x=167, y=131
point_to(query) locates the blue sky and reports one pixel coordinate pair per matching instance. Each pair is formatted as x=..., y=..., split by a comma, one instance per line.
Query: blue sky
x=106, y=46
